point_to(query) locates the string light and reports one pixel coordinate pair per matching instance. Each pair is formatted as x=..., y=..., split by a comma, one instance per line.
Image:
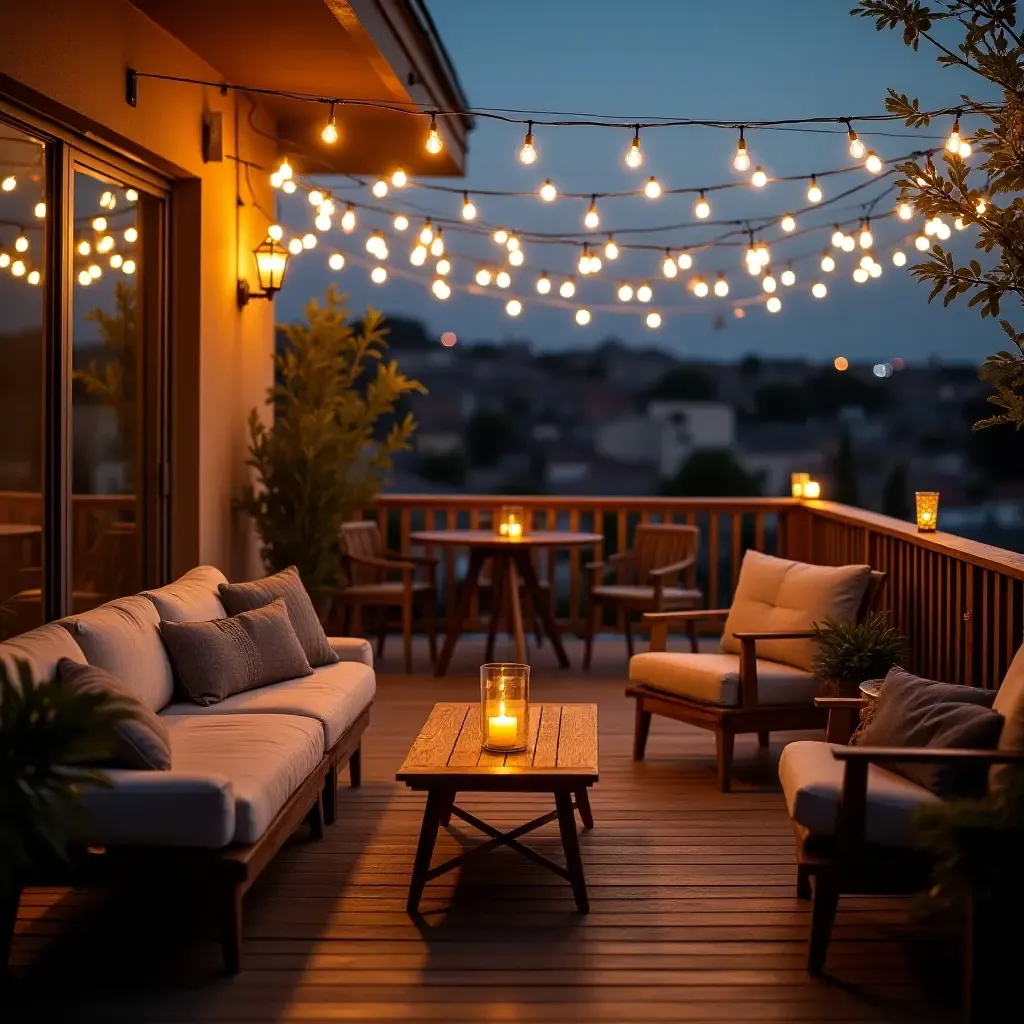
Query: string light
x=548, y=192
x=516, y=257
x=500, y=236
x=685, y=260
x=116, y=260
x=625, y=292
x=131, y=235
x=954, y=140
x=437, y=244
x=483, y=277
x=514, y=307
x=788, y=277
x=380, y=188
x=34, y=277
x=336, y=261
x=819, y=290
x=502, y=279
x=309, y=240
x=95, y=272
x=645, y=293
x=512, y=242
x=128, y=267
x=980, y=206
x=873, y=162
x=595, y=263
x=848, y=243
x=40, y=210
x=21, y=245
x=759, y=179
x=921, y=243
x=774, y=304
x=702, y=208
x=108, y=200
x=543, y=284
x=275, y=232
x=875, y=270
x=9, y=184
x=528, y=154
x=18, y=269
x=440, y=288
x=401, y=222
x=591, y=220
x=959, y=224
x=860, y=275
x=866, y=238
x=418, y=256
x=788, y=223
x=330, y=131
x=288, y=186
x=379, y=275
x=105, y=244
x=763, y=254
x=83, y=276
x=866, y=262
x=583, y=264
x=814, y=193
x=768, y=282
x=427, y=233
x=376, y=246
x=905, y=211
x=399, y=179
x=721, y=286
x=131, y=195
x=611, y=250
x=668, y=266
x=327, y=206
x=568, y=288
x=433, y=145
x=652, y=189
x=322, y=222
x=653, y=321
x=700, y=287
x=316, y=197
x=837, y=236
x=899, y=258
x=827, y=263
x=741, y=161
x=634, y=158
x=856, y=146
x=583, y=317
x=348, y=219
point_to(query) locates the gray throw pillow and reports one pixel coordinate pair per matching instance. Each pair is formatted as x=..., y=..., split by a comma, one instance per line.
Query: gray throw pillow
x=916, y=712
x=215, y=659
x=142, y=740
x=242, y=597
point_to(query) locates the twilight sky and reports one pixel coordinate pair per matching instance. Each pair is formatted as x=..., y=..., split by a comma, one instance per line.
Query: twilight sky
x=741, y=60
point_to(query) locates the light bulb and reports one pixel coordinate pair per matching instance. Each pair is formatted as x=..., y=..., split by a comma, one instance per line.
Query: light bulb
x=700, y=287
x=595, y=263
x=18, y=269
x=644, y=293
x=380, y=188
x=500, y=236
x=827, y=263
x=483, y=277
x=899, y=258
x=943, y=231
x=702, y=208
x=512, y=242
x=634, y=158
x=330, y=130
x=653, y=321
x=866, y=262
x=83, y=276
x=965, y=150
x=583, y=263
x=548, y=192
x=753, y=264
x=336, y=261
x=374, y=243
x=128, y=267
x=131, y=235
x=322, y=222
x=348, y=219
x=116, y=260
x=379, y=275
x=741, y=161
x=848, y=243
x=275, y=232
x=980, y=207
x=468, y=209
x=276, y=180
x=905, y=211
x=105, y=244
x=721, y=286
x=611, y=250
x=768, y=282
x=763, y=255
x=625, y=292
x=866, y=238
x=440, y=288
x=759, y=179
x=543, y=284
x=433, y=145
x=21, y=244
x=685, y=260
x=814, y=191
x=837, y=237
x=309, y=240
x=954, y=140
x=873, y=163
x=418, y=256
x=401, y=222
x=652, y=189
x=568, y=288
x=437, y=245
x=788, y=277
x=399, y=178
x=860, y=275
x=514, y=307
x=131, y=195
x=921, y=243
x=591, y=220
x=99, y=224
x=288, y=186
x=502, y=279
x=34, y=277
x=9, y=184
x=316, y=197
x=5, y=260
x=327, y=207
x=528, y=154
x=95, y=272
x=856, y=146
x=774, y=304
x=427, y=233
x=875, y=270
x=668, y=266
x=788, y=223
x=108, y=200
x=516, y=257
x=818, y=290
x=583, y=317
x=40, y=210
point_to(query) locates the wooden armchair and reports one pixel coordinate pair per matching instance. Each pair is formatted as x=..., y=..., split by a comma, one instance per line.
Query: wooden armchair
x=660, y=554
x=367, y=564
x=853, y=821
x=728, y=693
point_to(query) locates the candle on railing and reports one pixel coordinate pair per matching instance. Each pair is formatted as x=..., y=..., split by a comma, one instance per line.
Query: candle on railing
x=812, y=489
x=511, y=522
x=504, y=707
x=798, y=481
x=927, y=511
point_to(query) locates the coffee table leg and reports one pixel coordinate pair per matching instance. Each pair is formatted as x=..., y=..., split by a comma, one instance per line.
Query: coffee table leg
x=583, y=806
x=446, y=809
x=571, y=847
x=469, y=588
x=437, y=800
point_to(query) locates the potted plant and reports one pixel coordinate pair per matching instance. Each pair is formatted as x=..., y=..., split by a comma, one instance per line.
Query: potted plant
x=331, y=440
x=849, y=653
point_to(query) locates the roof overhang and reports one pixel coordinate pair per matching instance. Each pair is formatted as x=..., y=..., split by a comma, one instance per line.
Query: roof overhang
x=387, y=51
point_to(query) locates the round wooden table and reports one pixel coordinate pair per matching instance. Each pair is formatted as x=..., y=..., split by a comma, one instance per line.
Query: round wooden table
x=511, y=561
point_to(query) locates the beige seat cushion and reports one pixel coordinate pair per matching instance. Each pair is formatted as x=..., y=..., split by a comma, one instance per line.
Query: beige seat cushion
x=230, y=775
x=1009, y=703
x=190, y=598
x=671, y=597
x=812, y=781
x=42, y=648
x=777, y=595
x=715, y=678
x=123, y=637
x=334, y=695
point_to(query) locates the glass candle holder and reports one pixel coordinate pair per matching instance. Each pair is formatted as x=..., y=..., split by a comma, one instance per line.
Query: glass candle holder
x=812, y=490
x=798, y=481
x=927, y=510
x=504, y=707
x=511, y=522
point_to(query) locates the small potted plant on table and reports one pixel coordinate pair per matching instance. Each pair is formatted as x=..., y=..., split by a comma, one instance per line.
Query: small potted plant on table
x=850, y=653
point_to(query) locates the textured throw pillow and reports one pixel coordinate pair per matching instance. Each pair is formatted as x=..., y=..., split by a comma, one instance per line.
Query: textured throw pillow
x=215, y=659
x=141, y=741
x=916, y=712
x=243, y=597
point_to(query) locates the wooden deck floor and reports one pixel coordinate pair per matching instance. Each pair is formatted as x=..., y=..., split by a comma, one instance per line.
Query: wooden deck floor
x=694, y=915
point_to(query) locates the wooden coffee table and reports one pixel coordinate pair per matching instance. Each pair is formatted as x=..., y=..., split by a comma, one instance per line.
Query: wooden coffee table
x=561, y=759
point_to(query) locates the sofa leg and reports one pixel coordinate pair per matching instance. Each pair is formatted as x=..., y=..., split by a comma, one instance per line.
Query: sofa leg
x=724, y=742
x=231, y=927
x=355, y=767
x=8, y=916
x=315, y=818
x=803, y=883
x=823, y=914
x=330, y=796
x=641, y=728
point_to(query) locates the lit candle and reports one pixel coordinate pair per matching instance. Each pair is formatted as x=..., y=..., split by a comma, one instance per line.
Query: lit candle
x=812, y=489
x=503, y=529
x=515, y=530
x=502, y=729
x=797, y=483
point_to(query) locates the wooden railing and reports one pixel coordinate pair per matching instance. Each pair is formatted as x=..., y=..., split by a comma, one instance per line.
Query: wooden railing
x=960, y=603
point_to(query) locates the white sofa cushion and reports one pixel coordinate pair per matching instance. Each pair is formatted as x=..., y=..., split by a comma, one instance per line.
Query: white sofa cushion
x=715, y=678
x=812, y=781
x=190, y=598
x=777, y=595
x=230, y=776
x=334, y=695
x=352, y=648
x=123, y=636
x=42, y=648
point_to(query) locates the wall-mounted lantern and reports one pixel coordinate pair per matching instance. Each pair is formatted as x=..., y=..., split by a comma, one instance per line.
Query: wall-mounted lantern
x=271, y=264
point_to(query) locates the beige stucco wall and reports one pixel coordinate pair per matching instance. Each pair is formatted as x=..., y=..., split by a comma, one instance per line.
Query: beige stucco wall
x=74, y=54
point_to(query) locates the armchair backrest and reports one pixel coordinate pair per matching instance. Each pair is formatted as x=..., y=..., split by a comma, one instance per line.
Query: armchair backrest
x=360, y=540
x=656, y=545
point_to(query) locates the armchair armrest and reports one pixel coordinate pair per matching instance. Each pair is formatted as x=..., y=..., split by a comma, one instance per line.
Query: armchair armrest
x=841, y=703
x=925, y=755
x=351, y=648
x=842, y=716
x=748, y=659
x=794, y=634
x=597, y=569
x=669, y=570
x=659, y=622
x=425, y=560
x=403, y=565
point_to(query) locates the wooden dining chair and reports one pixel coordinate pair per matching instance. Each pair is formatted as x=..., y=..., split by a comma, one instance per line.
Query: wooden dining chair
x=366, y=567
x=649, y=579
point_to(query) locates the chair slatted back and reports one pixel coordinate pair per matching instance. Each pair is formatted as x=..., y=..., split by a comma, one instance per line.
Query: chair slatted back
x=361, y=540
x=656, y=545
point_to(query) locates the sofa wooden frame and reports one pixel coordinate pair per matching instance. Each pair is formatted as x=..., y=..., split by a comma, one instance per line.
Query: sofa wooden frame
x=228, y=873
x=748, y=715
